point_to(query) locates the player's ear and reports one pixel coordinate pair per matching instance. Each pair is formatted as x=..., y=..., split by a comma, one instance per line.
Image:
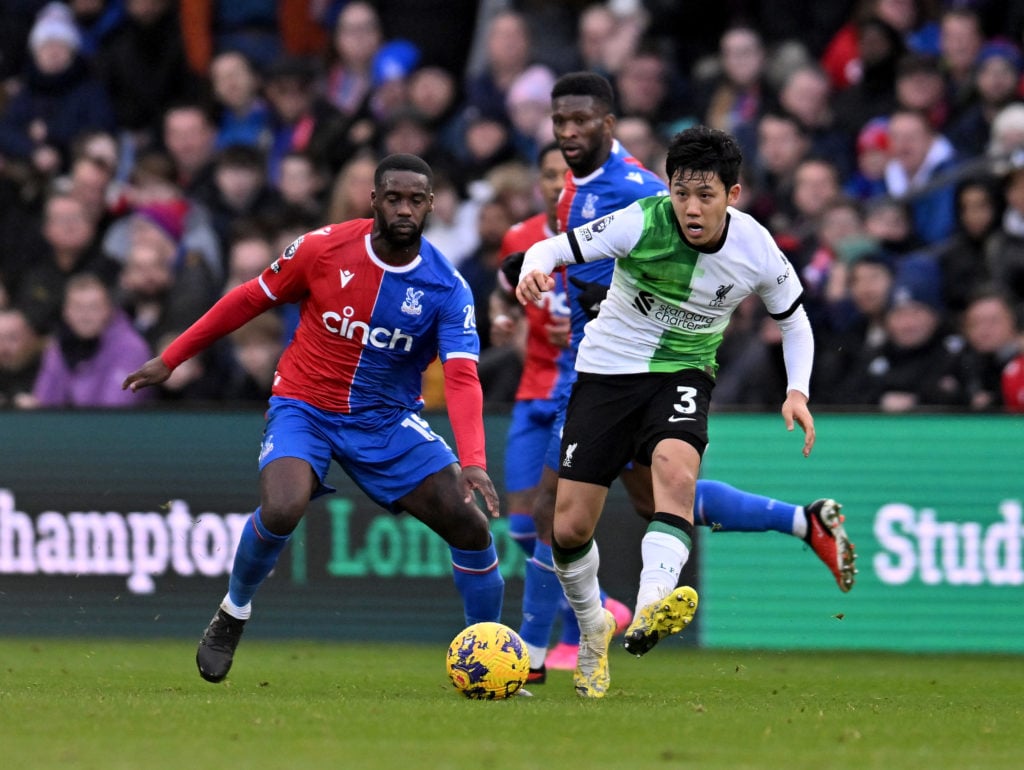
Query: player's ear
x=734, y=194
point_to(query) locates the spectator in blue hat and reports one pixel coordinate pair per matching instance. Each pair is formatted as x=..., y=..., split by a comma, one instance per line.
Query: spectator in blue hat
x=996, y=83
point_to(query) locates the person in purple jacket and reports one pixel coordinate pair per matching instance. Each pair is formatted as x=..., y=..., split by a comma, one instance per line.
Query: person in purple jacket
x=92, y=351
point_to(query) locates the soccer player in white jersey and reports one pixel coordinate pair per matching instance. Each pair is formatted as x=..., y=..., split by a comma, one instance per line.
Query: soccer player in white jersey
x=646, y=369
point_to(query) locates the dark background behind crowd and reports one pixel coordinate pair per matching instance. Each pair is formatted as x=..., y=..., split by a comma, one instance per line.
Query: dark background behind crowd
x=156, y=153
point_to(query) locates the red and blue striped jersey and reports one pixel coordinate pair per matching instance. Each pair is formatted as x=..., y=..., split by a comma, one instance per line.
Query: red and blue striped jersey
x=620, y=181
x=367, y=330
x=540, y=364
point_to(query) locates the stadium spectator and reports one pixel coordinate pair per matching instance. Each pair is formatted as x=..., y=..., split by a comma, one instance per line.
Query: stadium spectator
x=243, y=115
x=646, y=87
x=21, y=349
x=887, y=220
x=1005, y=251
x=480, y=268
x=918, y=173
x=357, y=412
x=921, y=86
x=350, y=193
x=992, y=339
x=302, y=184
x=868, y=178
x=68, y=247
x=250, y=253
x=153, y=183
x=508, y=54
x=91, y=352
x=163, y=286
x=916, y=364
x=452, y=226
x=995, y=84
x=189, y=136
x=254, y=349
x=142, y=64
x=528, y=105
x=782, y=143
x=806, y=94
x=873, y=94
x=356, y=38
x=963, y=257
x=57, y=98
x=738, y=95
x=960, y=41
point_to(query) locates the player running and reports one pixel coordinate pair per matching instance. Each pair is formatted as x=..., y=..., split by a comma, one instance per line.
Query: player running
x=378, y=304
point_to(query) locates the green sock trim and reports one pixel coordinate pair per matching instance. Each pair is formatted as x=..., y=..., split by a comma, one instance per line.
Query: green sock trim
x=563, y=556
x=668, y=529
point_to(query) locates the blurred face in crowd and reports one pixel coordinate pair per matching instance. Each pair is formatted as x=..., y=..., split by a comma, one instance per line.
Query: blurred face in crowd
x=921, y=90
x=888, y=222
x=189, y=138
x=815, y=186
x=234, y=81
x=508, y=43
x=960, y=40
x=357, y=35
x=780, y=144
x=146, y=12
x=19, y=343
x=299, y=181
x=431, y=90
x=552, y=179
x=742, y=56
x=989, y=325
x=67, y=226
x=87, y=309
x=248, y=258
x=1015, y=191
x=870, y=284
x=839, y=223
x=976, y=210
x=806, y=95
x=910, y=138
x=901, y=14
x=147, y=272
x=53, y=56
x=996, y=80
x=596, y=28
x=238, y=184
x=642, y=84
x=911, y=324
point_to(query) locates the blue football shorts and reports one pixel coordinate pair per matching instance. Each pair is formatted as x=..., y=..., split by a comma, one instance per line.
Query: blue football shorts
x=528, y=436
x=387, y=452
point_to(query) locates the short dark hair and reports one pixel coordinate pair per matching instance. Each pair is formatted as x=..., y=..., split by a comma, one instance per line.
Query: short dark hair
x=704, y=149
x=543, y=151
x=402, y=161
x=585, y=84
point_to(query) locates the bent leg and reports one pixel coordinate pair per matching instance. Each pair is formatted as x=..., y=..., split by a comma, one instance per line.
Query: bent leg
x=439, y=503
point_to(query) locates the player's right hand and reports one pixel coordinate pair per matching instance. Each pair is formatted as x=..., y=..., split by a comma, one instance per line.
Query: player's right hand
x=532, y=286
x=475, y=479
x=153, y=372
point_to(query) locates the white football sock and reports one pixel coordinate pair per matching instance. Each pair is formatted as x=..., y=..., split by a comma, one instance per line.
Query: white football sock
x=663, y=559
x=579, y=581
x=232, y=609
x=800, y=522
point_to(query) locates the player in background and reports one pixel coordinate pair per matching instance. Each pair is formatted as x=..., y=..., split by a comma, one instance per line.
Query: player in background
x=533, y=418
x=645, y=372
x=603, y=178
x=377, y=304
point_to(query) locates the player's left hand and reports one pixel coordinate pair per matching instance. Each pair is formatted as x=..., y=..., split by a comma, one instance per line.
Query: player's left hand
x=532, y=286
x=794, y=410
x=475, y=479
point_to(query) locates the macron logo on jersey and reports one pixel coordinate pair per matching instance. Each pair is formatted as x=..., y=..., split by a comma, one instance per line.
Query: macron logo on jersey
x=346, y=276
x=635, y=176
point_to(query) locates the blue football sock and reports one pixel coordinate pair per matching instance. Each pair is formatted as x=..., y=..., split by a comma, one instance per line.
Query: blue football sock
x=727, y=509
x=541, y=594
x=480, y=583
x=570, y=628
x=257, y=553
x=523, y=531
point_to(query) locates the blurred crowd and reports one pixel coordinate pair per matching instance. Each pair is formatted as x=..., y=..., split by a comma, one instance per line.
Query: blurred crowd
x=156, y=153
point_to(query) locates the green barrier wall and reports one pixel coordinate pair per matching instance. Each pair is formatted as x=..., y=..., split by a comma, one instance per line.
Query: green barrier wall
x=934, y=506
x=124, y=524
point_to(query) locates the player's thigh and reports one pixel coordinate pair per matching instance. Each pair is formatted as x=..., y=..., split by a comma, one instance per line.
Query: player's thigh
x=677, y=409
x=601, y=424
x=294, y=431
x=390, y=457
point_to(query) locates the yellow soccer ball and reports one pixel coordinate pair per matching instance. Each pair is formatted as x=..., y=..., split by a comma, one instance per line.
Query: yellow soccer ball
x=488, y=661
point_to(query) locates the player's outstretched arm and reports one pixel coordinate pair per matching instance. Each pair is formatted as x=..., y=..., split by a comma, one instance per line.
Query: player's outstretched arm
x=153, y=372
x=795, y=411
x=475, y=479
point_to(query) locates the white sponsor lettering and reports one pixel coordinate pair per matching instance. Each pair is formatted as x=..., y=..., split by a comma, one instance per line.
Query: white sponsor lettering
x=138, y=545
x=916, y=544
x=377, y=336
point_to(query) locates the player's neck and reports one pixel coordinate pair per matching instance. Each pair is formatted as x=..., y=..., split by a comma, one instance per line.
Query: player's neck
x=394, y=255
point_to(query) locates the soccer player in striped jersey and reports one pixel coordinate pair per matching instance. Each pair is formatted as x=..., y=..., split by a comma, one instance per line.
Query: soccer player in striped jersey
x=377, y=304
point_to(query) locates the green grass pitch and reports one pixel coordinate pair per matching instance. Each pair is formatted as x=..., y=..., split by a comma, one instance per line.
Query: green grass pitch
x=133, y=704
